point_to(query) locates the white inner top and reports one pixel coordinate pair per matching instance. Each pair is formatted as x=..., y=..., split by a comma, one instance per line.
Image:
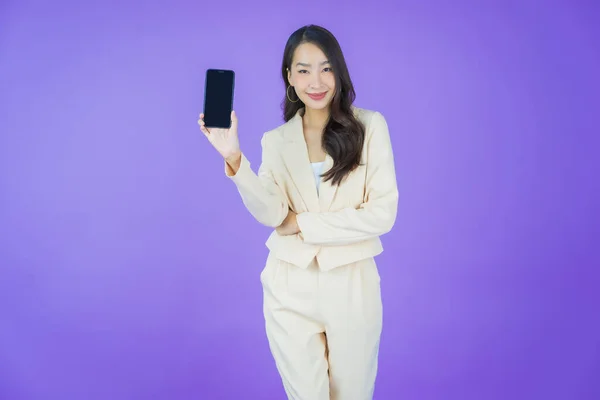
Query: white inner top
x=317, y=170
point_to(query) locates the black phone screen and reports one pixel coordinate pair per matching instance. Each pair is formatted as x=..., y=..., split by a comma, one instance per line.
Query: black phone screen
x=218, y=98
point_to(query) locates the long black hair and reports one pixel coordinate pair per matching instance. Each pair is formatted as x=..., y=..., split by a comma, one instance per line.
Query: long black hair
x=344, y=134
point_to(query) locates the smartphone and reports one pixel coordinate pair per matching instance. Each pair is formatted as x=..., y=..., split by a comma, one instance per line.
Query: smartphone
x=218, y=98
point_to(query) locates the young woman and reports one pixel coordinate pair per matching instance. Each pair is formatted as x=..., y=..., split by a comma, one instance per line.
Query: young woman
x=327, y=185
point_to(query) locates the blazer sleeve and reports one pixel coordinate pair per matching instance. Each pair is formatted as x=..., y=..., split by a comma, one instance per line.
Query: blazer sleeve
x=260, y=193
x=377, y=215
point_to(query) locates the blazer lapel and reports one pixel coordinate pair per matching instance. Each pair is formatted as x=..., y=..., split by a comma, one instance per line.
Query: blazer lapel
x=326, y=190
x=295, y=157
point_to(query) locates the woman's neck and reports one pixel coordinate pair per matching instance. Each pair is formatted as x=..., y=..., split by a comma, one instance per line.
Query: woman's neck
x=315, y=120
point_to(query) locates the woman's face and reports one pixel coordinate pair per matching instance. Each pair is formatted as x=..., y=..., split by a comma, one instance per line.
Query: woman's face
x=312, y=77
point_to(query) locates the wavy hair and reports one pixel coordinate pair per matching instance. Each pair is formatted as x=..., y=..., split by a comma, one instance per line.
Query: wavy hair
x=344, y=134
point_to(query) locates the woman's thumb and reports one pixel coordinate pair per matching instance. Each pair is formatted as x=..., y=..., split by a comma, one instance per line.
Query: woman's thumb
x=234, y=119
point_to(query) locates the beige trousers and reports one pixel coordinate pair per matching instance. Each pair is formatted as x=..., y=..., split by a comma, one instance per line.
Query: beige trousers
x=323, y=328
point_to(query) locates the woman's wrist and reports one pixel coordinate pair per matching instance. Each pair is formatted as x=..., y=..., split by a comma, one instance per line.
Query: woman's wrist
x=234, y=161
x=235, y=157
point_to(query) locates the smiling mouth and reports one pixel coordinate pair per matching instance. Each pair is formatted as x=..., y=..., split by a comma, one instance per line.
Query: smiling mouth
x=317, y=96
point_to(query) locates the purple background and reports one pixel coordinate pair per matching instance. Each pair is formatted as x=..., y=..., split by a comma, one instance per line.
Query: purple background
x=130, y=268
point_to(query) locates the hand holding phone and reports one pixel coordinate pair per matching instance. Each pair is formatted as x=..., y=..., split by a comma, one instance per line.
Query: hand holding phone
x=224, y=140
x=218, y=122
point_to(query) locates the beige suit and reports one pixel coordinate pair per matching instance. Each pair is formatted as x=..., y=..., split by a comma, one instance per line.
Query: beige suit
x=322, y=302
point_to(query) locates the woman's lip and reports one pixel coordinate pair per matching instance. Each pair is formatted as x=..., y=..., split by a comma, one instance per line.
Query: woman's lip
x=317, y=96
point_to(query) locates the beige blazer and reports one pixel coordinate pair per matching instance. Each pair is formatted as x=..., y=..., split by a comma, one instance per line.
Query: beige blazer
x=339, y=225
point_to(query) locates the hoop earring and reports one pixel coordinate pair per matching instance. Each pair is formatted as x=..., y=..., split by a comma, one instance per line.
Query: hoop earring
x=287, y=93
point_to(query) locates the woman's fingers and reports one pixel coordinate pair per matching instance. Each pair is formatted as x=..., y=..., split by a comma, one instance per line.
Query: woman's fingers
x=202, y=127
